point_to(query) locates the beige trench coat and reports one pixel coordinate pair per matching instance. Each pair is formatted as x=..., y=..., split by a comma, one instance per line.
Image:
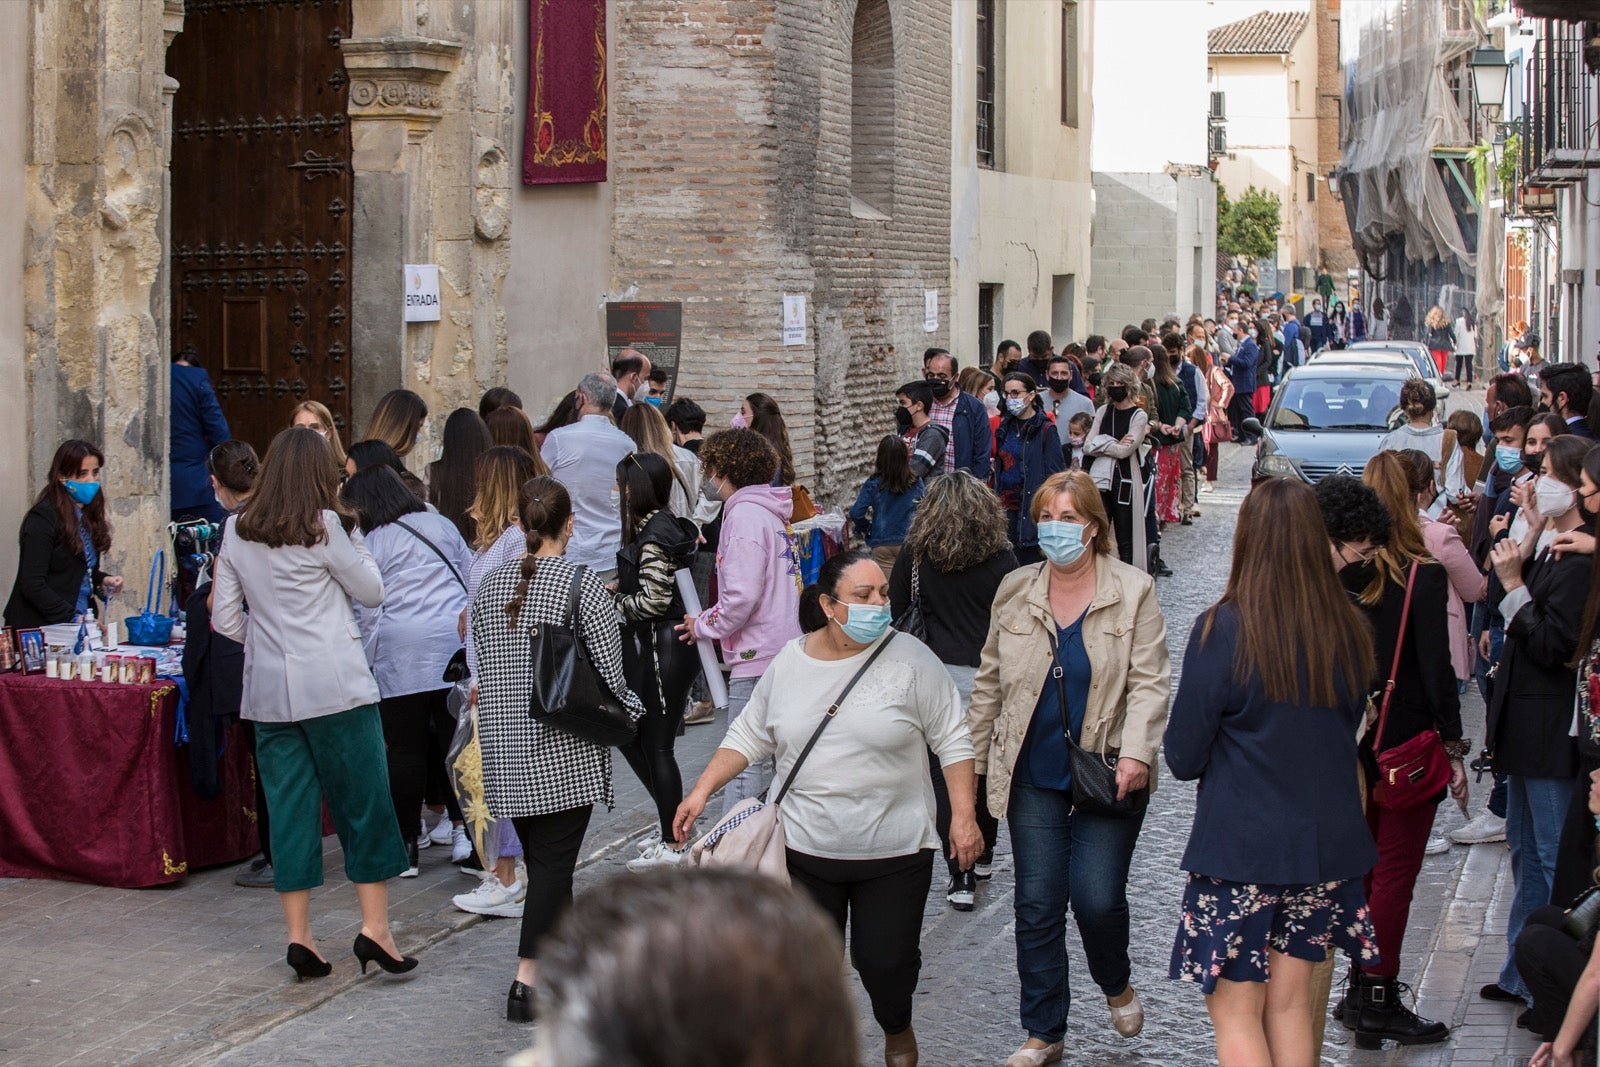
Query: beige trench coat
x=1125, y=637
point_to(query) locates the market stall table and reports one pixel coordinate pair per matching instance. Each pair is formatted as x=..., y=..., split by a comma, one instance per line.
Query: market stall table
x=92, y=788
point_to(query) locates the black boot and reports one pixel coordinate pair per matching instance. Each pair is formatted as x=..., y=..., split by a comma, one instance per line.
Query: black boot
x=1349, y=1006
x=1158, y=567
x=519, y=1004
x=1382, y=1015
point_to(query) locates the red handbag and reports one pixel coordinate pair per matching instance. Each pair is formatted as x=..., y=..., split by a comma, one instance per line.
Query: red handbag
x=1416, y=771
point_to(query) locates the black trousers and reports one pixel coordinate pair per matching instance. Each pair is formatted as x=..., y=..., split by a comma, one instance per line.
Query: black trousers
x=1122, y=519
x=1575, y=860
x=263, y=825
x=550, y=847
x=1241, y=407
x=660, y=668
x=1550, y=962
x=883, y=901
x=988, y=825
x=409, y=726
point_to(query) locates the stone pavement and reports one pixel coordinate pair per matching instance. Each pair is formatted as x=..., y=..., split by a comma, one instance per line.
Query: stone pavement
x=195, y=973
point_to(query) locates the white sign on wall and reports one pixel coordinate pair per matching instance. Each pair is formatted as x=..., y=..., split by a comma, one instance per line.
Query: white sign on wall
x=794, y=319
x=930, y=310
x=422, y=292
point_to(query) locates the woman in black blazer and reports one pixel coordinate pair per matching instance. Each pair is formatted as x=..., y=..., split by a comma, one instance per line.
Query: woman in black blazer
x=64, y=538
x=1531, y=706
x=1425, y=697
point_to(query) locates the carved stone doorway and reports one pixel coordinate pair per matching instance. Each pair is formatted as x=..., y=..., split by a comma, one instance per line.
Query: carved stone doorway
x=261, y=206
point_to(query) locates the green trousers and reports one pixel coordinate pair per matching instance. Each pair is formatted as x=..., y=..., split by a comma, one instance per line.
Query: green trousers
x=341, y=758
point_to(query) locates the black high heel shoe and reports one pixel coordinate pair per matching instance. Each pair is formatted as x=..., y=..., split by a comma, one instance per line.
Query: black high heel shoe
x=519, y=1004
x=369, y=951
x=307, y=964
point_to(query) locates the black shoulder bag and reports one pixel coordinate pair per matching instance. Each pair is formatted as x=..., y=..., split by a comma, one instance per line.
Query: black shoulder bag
x=913, y=620
x=567, y=693
x=1094, y=774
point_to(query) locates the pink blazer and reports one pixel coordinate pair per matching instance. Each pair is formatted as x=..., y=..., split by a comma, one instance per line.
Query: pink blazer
x=1467, y=586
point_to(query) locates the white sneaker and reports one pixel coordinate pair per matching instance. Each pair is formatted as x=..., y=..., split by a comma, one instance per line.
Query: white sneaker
x=1437, y=844
x=442, y=831
x=492, y=898
x=663, y=855
x=423, y=839
x=1207, y=487
x=460, y=846
x=650, y=844
x=1482, y=830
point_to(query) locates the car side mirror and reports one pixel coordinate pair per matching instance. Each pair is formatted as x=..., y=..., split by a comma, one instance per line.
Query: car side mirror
x=1252, y=426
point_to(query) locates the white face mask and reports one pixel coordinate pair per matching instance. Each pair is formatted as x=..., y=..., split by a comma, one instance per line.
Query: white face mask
x=1551, y=497
x=991, y=400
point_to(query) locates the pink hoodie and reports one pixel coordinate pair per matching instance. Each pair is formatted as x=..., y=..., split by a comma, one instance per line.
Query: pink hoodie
x=758, y=580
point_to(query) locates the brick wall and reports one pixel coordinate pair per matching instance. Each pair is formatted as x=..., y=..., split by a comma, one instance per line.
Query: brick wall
x=1333, y=229
x=731, y=169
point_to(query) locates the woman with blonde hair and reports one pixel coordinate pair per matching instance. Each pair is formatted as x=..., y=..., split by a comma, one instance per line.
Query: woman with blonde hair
x=397, y=420
x=648, y=428
x=951, y=564
x=314, y=415
x=1076, y=655
x=1440, y=336
x=1405, y=594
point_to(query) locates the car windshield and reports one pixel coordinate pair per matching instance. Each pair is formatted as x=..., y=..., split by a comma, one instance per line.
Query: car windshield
x=1337, y=404
x=1421, y=360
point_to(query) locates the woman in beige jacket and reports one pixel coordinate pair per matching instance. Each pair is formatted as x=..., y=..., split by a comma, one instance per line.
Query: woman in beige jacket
x=1096, y=621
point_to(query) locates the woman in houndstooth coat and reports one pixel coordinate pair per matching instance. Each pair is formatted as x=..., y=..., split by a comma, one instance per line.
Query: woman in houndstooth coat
x=545, y=781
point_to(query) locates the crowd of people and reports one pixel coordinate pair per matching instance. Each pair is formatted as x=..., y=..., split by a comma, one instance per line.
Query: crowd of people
x=993, y=650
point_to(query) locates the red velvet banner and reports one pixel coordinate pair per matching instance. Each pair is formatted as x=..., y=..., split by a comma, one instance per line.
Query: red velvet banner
x=93, y=790
x=565, y=139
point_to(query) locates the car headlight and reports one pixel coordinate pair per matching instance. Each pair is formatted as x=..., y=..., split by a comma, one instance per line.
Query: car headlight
x=1278, y=466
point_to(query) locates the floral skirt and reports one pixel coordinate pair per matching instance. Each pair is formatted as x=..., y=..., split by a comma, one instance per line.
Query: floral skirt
x=1227, y=928
x=1169, y=465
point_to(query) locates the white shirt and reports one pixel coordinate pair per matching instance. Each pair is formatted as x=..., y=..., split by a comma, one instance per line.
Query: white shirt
x=583, y=457
x=685, y=483
x=1431, y=441
x=864, y=792
x=410, y=637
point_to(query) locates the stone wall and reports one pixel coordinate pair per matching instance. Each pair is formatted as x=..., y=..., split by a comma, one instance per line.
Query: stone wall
x=731, y=174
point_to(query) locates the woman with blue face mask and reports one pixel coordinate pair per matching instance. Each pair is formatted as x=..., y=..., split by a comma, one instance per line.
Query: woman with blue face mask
x=1027, y=450
x=858, y=814
x=1076, y=656
x=65, y=537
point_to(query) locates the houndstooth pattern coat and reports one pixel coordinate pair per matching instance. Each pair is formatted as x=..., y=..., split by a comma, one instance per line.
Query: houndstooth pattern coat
x=530, y=769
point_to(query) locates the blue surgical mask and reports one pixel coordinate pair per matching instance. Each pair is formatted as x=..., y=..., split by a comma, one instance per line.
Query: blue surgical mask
x=1508, y=458
x=656, y=400
x=1061, y=542
x=1015, y=404
x=83, y=492
x=865, y=623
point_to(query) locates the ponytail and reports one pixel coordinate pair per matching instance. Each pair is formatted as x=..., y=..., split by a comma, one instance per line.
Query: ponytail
x=544, y=516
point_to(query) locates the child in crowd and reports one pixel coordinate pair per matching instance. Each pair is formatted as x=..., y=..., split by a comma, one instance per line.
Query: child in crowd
x=883, y=509
x=1077, y=432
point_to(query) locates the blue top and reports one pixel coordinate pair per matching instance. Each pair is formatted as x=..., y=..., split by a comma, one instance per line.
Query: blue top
x=1043, y=762
x=1278, y=800
x=891, y=512
x=197, y=428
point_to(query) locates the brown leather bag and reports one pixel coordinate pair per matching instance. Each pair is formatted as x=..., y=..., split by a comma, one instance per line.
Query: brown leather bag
x=804, y=508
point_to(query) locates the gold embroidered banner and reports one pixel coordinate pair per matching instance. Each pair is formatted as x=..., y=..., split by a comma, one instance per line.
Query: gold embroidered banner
x=565, y=138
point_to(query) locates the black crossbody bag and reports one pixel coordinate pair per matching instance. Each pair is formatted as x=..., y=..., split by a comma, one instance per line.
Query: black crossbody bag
x=1094, y=774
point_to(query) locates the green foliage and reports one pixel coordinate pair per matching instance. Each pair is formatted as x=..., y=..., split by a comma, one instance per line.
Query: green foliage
x=1248, y=226
x=1479, y=155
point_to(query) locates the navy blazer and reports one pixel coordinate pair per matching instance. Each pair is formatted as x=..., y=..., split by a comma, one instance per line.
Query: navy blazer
x=197, y=428
x=1279, y=802
x=970, y=436
x=1241, y=367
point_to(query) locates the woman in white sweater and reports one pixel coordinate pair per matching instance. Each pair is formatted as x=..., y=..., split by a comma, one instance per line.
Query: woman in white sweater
x=859, y=818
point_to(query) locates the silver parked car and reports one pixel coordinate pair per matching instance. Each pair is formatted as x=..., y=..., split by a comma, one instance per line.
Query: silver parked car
x=1327, y=418
x=1383, y=354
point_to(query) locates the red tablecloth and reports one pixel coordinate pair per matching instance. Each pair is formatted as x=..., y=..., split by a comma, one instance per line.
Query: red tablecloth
x=92, y=788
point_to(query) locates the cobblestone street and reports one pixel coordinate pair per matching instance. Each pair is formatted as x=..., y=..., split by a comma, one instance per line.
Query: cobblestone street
x=195, y=973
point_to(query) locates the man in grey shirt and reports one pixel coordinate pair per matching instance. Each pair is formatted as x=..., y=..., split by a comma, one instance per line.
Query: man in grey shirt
x=583, y=457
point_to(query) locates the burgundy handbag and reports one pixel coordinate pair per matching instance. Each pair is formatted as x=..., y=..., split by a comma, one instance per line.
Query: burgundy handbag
x=1414, y=772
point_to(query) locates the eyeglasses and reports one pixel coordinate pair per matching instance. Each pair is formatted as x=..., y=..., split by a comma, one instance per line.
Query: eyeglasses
x=930, y=376
x=1366, y=555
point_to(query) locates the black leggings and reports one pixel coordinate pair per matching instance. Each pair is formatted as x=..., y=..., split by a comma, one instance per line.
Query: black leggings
x=550, y=847
x=410, y=723
x=660, y=668
x=883, y=901
x=1121, y=524
x=1550, y=962
x=987, y=824
x=1463, y=360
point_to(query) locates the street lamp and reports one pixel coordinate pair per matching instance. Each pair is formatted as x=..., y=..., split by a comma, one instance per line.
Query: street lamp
x=1489, y=76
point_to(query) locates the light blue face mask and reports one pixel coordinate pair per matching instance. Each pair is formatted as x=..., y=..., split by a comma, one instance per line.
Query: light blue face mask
x=865, y=623
x=83, y=492
x=1508, y=458
x=1061, y=542
x=655, y=400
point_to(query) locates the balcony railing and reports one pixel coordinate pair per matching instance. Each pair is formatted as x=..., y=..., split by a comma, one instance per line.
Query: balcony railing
x=1559, y=139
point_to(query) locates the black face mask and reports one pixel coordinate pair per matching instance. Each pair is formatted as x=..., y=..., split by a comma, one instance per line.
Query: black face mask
x=902, y=419
x=1543, y=408
x=1059, y=385
x=1534, y=461
x=1117, y=393
x=941, y=389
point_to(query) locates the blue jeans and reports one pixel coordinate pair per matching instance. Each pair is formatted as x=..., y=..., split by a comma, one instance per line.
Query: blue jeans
x=1046, y=838
x=755, y=778
x=1536, y=808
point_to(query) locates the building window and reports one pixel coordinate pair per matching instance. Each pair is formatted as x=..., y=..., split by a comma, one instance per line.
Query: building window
x=872, y=147
x=1311, y=187
x=986, y=83
x=986, y=304
x=1069, y=63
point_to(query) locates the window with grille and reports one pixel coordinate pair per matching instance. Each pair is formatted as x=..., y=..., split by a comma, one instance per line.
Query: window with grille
x=986, y=302
x=986, y=83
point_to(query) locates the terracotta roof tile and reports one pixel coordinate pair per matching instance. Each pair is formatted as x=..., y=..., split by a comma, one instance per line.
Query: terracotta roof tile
x=1265, y=33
